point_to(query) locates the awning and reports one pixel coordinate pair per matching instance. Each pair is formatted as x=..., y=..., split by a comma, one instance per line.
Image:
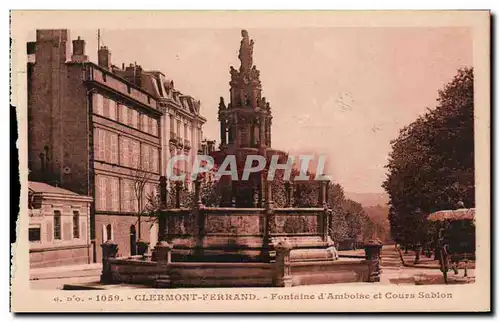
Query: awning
x=459, y=214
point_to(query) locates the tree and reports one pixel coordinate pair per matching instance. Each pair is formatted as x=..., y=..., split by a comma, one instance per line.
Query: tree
x=140, y=178
x=431, y=165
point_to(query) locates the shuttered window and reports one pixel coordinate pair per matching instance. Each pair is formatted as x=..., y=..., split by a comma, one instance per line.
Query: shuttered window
x=57, y=225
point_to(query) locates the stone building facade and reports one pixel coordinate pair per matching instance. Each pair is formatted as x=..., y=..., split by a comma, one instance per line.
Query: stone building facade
x=104, y=132
x=59, y=222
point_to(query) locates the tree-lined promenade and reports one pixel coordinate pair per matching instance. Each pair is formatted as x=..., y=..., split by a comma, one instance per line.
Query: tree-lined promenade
x=431, y=166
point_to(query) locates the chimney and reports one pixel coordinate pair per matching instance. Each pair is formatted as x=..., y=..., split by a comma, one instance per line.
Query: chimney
x=104, y=57
x=79, y=51
x=49, y=39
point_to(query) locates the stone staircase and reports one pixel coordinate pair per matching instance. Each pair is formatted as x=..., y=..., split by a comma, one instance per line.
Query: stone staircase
x=390, y=258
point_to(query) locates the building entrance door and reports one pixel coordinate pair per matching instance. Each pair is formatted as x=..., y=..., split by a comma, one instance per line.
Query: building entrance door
x=133, y=240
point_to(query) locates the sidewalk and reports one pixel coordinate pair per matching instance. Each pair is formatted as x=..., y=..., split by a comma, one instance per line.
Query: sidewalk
x=69, y=271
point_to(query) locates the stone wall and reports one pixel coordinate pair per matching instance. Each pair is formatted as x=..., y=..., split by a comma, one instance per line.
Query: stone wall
x=60, y=256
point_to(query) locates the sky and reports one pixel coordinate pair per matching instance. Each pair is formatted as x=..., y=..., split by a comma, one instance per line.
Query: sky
x=341, y=92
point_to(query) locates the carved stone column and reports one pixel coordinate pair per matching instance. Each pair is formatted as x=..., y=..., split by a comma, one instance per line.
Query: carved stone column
x=289, y=193
x=269, y=206
x=237, y=131
x=223, y=132
x=199, y=216
x=262, y=132
x=178, y=194
x=322, y=194
x=263, y=180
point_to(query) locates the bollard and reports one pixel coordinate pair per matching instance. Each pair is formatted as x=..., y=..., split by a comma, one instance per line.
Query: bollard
x=282, y=268
x=372, y=255
x=109, y=251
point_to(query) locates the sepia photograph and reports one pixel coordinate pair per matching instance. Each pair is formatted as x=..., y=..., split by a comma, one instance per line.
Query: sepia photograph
x=260, y=162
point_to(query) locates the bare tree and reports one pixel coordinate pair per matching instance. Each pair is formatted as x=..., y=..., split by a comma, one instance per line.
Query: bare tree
x=141, y=177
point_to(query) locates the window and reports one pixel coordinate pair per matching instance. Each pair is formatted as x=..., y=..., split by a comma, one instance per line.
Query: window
x=112, y=109
x=155, y=160
x=155, y=127
x=76, y=224
x=101, y=192
x=107, y=145
x=105, y=107
x=145, y=157
x=126, y=195
x=96, y=144
x=124, y=151
x=150, y=126
x=114, y=148
x=135, y=152
x=115, y=194
x=135, y=119
x=145, y=123
x=34, y=234
x=123, y=113
x=97, y=101
x=100, y=144
x=57, y=225
x=129, y=116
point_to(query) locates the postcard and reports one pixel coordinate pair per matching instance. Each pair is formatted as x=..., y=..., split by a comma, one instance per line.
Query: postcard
x=260, y=161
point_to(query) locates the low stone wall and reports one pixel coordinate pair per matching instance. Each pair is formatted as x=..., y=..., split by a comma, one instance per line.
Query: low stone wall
x=59, y=256
x=339, y=271
x=285, y=271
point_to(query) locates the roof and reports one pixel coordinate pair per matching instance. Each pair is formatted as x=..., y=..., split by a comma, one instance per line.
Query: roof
x=40, y=187
x=459, y=214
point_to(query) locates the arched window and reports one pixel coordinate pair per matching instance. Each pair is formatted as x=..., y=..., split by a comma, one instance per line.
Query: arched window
x=133, y=242
x=109, y=232
x=76, y=224
x=57, y=225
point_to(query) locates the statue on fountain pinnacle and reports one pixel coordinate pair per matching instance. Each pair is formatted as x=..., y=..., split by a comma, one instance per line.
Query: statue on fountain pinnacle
x=246, y=51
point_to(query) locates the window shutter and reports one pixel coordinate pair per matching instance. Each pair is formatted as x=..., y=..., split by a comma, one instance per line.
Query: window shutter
x=115, y=194
x=97, y=102
x=124, y=152
x=105, y=107
x=112, y=109
x=135, y=116
x=123, y=114
x=125, y=196
x=107, y=144
x=102, y=144
x=114, y=148
x=96, y=143
x=108, y=195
